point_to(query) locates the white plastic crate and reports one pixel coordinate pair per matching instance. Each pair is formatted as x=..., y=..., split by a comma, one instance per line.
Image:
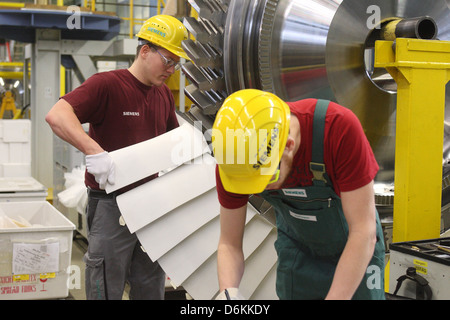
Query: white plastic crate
x=35, y=261
x=19, y=189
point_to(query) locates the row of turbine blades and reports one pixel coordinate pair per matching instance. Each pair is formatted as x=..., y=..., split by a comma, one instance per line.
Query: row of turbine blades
x=205, y=71
x=207, y=88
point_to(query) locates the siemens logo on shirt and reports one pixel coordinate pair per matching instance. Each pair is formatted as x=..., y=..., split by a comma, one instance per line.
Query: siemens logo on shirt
x=131, y=113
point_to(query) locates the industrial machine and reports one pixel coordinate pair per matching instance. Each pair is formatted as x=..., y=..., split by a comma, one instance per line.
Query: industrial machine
x=419, y=269
x=322, y=49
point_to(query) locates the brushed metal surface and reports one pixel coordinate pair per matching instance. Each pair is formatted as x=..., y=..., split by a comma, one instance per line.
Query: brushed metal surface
x=371, y=94
x=315, y=48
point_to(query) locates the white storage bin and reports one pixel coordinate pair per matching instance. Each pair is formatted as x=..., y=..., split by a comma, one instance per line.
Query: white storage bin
x=35, y=260
x=20, y=189
x=15, y=148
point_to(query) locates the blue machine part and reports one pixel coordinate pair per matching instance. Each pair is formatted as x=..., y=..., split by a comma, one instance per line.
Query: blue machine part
x=20, y=25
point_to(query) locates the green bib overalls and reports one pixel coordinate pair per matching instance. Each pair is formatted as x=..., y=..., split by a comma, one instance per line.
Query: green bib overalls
x=312, y=233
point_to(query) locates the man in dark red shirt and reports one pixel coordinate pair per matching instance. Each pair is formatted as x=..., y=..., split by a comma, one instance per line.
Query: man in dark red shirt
x=122, y=107
x=311, y=161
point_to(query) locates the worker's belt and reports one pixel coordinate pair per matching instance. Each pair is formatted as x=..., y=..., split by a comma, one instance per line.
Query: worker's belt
x=101, y=194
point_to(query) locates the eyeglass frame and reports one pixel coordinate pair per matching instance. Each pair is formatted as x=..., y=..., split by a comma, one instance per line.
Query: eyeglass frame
x=169, y=63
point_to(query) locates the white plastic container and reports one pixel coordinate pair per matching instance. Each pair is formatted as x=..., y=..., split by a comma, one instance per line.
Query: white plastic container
x=35, y=260
x=19, y=189
x=15, y=148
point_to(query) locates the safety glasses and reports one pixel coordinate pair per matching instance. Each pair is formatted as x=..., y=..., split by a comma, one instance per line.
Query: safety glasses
x=169, y=63
x=276, y=175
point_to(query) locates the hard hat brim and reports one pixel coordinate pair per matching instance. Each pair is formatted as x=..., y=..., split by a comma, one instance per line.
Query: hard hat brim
x=155, y=28
x=179, y=53
x=245, y=185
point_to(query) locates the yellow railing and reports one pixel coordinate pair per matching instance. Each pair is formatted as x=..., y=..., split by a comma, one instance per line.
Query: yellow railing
x=87, y=3
x=90, y=4
x=8, y=70
x=160, y=5
x=21, y=4
x=133, y=22
x=12, y=4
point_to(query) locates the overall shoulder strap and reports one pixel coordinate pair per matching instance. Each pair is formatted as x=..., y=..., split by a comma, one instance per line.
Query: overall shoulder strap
x=317, y=165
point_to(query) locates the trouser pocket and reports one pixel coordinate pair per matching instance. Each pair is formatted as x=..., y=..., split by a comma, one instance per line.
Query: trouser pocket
x=95, y=277
x=299, y=275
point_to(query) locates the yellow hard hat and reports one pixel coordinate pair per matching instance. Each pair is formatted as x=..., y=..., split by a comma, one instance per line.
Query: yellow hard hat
x=165, y=31
x=249, y=135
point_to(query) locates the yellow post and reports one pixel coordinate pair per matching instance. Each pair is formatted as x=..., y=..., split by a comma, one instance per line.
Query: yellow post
x=160, y=5
x=421, y=70
x=90, y=4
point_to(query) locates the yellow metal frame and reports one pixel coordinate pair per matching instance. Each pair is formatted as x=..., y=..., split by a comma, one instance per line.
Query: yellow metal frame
x=88, y=4
x=421, y=69
x=160, y=5
x=12, y=4
x=91, y=5
x=8, y=104
x=7, y=70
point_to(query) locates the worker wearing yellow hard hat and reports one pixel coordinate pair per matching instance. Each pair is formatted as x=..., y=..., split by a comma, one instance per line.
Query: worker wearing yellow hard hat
x=250, y=121
x=312, y=162
x=123, y=107
x=165, y=31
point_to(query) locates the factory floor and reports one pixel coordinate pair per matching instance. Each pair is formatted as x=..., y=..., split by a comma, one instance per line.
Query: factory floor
x=79, y=248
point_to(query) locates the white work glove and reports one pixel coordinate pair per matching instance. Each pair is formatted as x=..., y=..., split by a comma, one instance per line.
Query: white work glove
x=230, y=294
x=101, y=166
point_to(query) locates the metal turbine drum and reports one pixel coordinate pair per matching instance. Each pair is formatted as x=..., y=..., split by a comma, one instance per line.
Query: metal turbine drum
x=308, y=48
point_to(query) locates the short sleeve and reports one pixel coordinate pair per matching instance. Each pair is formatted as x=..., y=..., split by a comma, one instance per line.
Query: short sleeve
x=90, y=99
x=353, y=160
x=227, y=199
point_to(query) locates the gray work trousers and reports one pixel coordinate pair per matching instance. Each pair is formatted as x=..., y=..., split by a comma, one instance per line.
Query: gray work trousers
x=114, y=256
